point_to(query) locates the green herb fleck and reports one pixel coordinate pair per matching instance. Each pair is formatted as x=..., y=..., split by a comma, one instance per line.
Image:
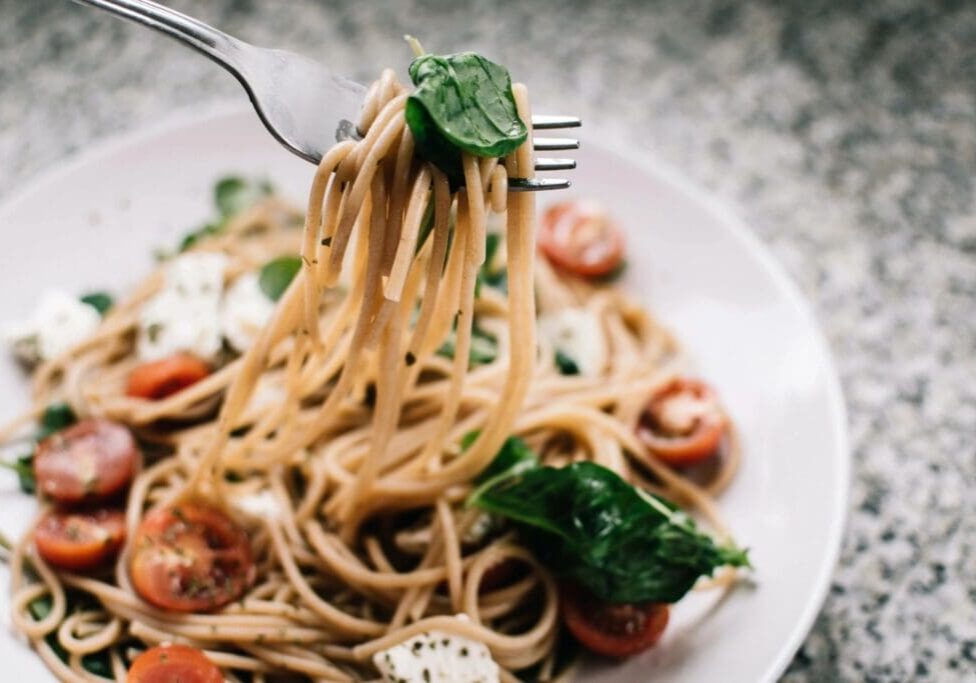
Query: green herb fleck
x=233, y=194
x=565, y=363
x=100, y=301
x=483, y=348
x=277, y=274
x=24, y=468
x=56, y=417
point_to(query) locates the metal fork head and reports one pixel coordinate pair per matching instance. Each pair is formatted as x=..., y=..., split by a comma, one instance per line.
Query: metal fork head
x=302, y=103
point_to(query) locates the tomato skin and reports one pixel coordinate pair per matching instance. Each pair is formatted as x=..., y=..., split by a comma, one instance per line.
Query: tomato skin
x=80, y=540
x=698, y=436
x=579, y=238
x=161, y=378
x=612, y=630
x=171, y=664
x=92, y=459
x=190, y=557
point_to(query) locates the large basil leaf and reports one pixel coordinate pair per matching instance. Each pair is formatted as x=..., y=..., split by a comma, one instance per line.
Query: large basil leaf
x=462, y=102
x=587, y=524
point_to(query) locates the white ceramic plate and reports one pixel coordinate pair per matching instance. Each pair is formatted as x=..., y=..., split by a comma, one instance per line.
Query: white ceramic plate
x=94, y=222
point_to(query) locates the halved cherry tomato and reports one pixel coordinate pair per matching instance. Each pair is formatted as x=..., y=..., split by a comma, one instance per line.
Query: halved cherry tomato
x=190, y=558
x=162, y=378
x=683, y=423
x=612, y=630
x=80, y=540
x=173, y=664
x=93, y=458
x=580, y=238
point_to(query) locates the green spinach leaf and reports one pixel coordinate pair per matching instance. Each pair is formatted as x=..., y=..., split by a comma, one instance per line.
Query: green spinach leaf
x=588, y=525
x=56, y=417
x=100, y=301
x=233, y=194
x=97, y=663
x=566, y=364
x=491, y=274
x=277, y=274
x=483, y=349
x=514, y=457
x=194, y=236
x=462, y=102
x=23, y=467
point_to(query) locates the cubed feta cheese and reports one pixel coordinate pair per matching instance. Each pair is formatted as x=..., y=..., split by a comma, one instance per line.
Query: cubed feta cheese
x=437, y=657
x=245, y=310
x=184, y=316
x=59, y=322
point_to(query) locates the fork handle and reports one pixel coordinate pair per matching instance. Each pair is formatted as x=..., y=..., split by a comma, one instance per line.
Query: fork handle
x=215, y=44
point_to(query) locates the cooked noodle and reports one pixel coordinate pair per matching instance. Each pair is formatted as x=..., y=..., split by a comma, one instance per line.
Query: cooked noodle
x=357, y=445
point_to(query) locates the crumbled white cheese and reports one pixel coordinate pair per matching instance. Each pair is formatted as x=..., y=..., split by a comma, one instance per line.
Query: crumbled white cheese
x=437, y=657
x=244, y=311
x=576, y=332
x=57, y=323
x=184, y=316
x=260, y=504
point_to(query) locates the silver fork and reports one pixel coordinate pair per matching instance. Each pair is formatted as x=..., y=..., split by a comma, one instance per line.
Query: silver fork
x=301, y=103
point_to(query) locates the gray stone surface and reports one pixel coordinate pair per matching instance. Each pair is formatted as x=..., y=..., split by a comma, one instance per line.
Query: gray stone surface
x=845, y=132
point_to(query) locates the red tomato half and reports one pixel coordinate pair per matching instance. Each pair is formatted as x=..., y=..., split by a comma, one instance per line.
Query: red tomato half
x=612, y=630
x=190, y=558
x=91, y=459
x=580, y=238
x=683, y=423
x=173, y=664
x=162, y=378
x=80, y=540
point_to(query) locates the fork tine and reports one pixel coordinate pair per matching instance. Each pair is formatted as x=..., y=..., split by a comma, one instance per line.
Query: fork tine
x=548, y=122
x=548, y=164
x=551, y=144
x=536, y=184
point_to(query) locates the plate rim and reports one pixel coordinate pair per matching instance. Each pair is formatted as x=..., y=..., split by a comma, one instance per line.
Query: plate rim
x=725, y=212
x=721, y=209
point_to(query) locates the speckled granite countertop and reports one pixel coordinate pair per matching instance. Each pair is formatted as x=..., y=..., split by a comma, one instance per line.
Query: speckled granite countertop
x=845, y=131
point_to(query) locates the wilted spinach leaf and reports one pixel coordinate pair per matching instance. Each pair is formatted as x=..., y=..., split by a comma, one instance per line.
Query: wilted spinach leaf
x=483, y=349
x=24, y=468
x=588, y=525
x=565, y=364
x=233, y=194
x=56, y=417
x=97, y=663
x=100, y=301
x=490, y=273
x=462, y=102
x=277, y=274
